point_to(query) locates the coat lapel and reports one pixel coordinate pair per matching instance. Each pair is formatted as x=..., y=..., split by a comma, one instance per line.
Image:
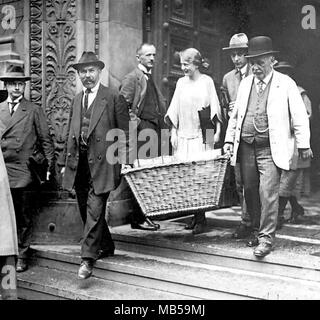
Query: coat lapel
x=21, y=112
x=246, y=94
x=274, y=87
x=142, y=83
x=76, y=118
x=5, y=116
x=98, y=106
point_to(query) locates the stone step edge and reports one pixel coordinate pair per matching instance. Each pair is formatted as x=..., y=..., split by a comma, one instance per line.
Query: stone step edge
x=58, y=290
x=218, y=286
x=312, y=263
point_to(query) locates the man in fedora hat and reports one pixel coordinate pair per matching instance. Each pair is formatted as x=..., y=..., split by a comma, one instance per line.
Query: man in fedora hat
x=24, y=134
x=238, y=48
x=94, y=112
x=267, y=110
x=147, y=108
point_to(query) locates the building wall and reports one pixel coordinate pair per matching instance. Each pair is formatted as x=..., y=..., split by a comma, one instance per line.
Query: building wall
x=49, y=36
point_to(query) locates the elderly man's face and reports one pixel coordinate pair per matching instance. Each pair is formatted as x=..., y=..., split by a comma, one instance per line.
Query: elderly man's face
x=15, y=88
x=261, y=66
x=238, y=58
x=89, y=76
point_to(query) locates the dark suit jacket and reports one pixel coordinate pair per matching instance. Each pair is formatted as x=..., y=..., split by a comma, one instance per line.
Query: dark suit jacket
x=23, y=135
x=133, y=89
x=108, y=113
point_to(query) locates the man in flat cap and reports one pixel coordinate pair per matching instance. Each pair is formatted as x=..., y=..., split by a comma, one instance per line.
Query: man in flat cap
x=94, y=112
x=238, y=48
x=24, y=135
x=268, y=117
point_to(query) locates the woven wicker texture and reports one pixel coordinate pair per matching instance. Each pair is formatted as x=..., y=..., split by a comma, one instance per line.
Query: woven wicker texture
x=177, y=189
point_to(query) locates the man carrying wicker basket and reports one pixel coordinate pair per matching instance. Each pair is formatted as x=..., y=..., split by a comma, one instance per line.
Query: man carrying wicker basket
x=260, y=135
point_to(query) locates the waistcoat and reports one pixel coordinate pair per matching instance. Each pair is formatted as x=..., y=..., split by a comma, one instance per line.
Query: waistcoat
x=255, y=124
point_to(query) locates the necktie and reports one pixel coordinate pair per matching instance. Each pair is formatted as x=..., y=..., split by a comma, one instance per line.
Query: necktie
x=148, y=75
x=85, y=104
x=13, y=104
x=260, y=84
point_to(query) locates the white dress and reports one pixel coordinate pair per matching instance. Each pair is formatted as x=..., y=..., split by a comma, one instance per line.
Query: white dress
x=189, y=97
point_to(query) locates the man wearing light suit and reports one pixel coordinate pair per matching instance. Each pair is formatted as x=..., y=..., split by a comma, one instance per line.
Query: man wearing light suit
x=94, y=112
x=267, y=110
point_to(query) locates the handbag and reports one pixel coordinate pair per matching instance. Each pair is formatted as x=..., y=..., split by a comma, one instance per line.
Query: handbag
x=207, y=126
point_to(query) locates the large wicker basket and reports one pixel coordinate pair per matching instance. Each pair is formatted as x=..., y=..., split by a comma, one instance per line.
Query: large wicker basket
x=178, y=189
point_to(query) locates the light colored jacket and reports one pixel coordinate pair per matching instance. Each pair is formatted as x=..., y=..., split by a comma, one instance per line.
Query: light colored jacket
x=8, y=231
x=287, y=118
x=231, y=82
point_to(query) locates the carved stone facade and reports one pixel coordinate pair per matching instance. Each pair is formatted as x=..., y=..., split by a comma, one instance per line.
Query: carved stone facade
x=52, y=52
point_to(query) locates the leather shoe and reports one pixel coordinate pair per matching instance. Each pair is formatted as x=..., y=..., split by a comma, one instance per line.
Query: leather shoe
x=242, y=232
x=199, y=228
x=105, y=253
x=262, y=249
x=85, y=270
x=191, y=224
x=145, y=225
x=22, y=265
x=253, y=242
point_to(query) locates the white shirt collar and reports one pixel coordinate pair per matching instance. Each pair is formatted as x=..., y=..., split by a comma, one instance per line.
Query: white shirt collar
x=9, y=100
x=94, y=89
x=243, y=70
x=265, y=80
x=143, y=68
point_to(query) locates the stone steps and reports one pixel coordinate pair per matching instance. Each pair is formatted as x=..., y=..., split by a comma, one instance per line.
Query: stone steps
x=278, y=263
x=131, y=275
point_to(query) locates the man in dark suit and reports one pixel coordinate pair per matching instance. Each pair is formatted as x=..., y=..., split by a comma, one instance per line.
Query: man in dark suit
x=24, y=133
x=147, y=108
x=94, y=112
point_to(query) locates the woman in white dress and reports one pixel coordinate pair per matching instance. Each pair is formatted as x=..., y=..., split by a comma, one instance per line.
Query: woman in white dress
x=194, y=92
x=8, y=238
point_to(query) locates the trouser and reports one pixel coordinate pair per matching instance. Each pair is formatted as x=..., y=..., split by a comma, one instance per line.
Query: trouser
x=24, y=206
x=261, y=180
x=288, y=182
x=8, y=280
x=96, y=234
x=245, y=216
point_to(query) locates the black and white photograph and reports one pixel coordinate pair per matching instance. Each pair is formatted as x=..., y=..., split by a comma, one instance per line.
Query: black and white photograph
x=159, y=154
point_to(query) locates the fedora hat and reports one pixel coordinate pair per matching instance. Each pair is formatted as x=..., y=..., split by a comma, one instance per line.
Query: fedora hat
x=283, y=64
x=237, y=41
x=88, y=58
x=14, y=72
x=259, y=46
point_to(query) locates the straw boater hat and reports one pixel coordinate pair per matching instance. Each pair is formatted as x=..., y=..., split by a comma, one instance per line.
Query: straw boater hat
x=88, y=58
x=259, y=46
x=237, y=41
x=14, y=72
